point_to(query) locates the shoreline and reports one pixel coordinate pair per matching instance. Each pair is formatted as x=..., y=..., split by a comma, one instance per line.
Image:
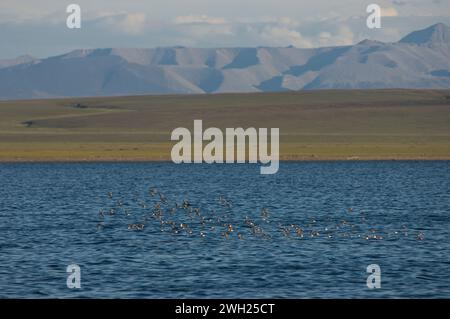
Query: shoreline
x=161, y=152
x=282, y=160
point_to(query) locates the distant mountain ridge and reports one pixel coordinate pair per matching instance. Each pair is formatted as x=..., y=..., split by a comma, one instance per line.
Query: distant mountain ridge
x=419, y=60
x=436, y=34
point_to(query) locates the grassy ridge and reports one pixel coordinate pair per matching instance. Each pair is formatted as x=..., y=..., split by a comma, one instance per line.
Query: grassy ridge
x=319, y=125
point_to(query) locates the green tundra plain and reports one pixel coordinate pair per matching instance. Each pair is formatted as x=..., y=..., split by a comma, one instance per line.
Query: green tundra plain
x=314, y=125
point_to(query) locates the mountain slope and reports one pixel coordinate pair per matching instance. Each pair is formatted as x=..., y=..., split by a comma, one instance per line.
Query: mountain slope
x=419, y=60
x=436, y=34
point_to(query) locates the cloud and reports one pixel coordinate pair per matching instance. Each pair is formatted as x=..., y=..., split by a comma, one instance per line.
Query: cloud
x=198, y=19
x=283, y=36
x=339, y=35
x=199, y=32
x=38, y=27
x=344, y=36
x=399, y=2
x=133, y=23
x=389, y=12
x=126, y=23
x=289, y=22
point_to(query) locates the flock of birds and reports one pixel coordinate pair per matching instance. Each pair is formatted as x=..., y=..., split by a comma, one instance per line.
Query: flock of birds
x=183, y=218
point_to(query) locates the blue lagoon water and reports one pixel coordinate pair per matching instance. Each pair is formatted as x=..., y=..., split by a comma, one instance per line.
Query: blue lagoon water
x=352, y=214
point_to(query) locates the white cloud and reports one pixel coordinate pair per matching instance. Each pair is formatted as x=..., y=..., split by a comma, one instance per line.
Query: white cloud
x=198, y=19
x=283, y=36
x=38, y=26
x=198, y=32
x=133, y=23
x=340, y=35
x=126, y=23
x=288, y=22
x=344, y=36
x=389, y=12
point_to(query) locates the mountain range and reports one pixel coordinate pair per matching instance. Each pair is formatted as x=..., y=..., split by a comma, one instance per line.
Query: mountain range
x=419, y=60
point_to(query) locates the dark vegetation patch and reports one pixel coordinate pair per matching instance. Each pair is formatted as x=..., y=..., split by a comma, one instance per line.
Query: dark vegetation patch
x=79, y=106
x=28, y=123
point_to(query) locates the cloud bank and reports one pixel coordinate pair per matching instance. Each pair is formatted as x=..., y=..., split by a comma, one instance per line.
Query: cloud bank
x=38, y=27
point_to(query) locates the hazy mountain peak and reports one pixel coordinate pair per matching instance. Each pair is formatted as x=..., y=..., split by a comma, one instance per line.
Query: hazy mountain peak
x=83, y=53
x=435, y=34
x=17, y=61
x=79, y=53
x=370, y=42
x=26, y=57
x=420, y=61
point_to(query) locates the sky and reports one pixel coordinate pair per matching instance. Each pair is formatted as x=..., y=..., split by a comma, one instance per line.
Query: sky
x=38, y=27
